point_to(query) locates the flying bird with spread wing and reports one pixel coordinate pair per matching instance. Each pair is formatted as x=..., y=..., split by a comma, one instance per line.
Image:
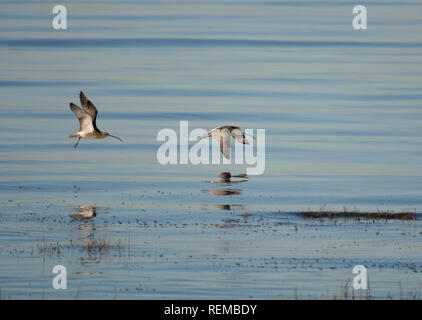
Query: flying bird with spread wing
x=87, y=116
x=223, y=135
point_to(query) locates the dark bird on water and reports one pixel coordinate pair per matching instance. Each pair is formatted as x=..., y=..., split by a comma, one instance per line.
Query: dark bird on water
x=87, y=116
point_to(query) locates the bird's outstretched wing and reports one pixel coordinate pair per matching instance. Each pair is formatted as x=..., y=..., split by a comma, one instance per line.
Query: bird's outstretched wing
x=239, y=135
x=79, y=113
x=84, y=99
x=85, y=120
x=224, y=136
x=88, y=106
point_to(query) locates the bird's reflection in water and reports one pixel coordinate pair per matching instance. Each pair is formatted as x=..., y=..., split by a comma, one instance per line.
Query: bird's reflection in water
x=230, y=206
x=225, y=192
x=85, y=232
x=84, y=213
x=227, y=179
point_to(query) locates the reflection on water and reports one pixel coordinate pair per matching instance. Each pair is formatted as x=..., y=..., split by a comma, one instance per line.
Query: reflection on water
x=84, y=230
x=84, y=213
x=342, y=114
x=226, y=178
x=85, y=235
x=225, y=192
x=90, y=241
x=230, y=206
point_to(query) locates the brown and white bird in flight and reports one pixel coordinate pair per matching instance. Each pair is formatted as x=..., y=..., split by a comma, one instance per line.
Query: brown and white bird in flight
x=87, y=116
x=223, y=135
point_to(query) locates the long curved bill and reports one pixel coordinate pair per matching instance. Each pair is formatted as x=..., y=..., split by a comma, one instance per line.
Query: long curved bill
x=116, y=137
x=206, y=135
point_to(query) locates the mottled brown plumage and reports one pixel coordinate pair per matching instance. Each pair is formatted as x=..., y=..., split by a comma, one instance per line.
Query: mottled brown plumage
x=87, y=116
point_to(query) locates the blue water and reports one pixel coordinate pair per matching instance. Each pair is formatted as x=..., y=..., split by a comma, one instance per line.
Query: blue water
x=341, y=110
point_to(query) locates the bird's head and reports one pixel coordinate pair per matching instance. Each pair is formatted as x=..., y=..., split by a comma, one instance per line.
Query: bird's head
x=106, y=134
x=206, y=135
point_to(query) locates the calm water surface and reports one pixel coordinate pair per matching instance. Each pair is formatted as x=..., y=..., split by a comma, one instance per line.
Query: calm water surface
x=342, y=114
